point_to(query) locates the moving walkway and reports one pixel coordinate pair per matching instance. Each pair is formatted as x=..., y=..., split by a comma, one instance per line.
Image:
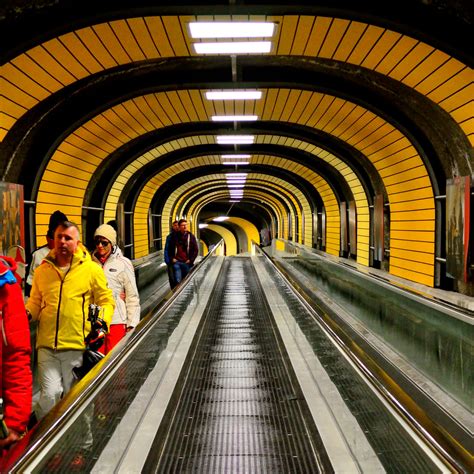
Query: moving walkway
x=234, y=373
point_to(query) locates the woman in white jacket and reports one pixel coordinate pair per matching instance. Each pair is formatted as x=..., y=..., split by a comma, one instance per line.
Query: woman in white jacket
x=121, y=280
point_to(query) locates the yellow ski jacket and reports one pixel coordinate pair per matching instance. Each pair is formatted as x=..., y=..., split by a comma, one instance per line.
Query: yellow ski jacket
x=60, y=302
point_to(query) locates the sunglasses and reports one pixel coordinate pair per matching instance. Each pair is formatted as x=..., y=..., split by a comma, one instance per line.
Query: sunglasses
x=104, y=243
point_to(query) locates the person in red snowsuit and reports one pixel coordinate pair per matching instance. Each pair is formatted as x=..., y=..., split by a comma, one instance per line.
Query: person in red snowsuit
x=16, y=381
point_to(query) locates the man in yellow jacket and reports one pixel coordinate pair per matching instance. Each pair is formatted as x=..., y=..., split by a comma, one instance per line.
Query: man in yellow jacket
x=65, y=284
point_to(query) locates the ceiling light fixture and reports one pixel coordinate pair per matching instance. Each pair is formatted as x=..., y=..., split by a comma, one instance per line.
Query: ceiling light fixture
x=235, y=163
x=236, y=175
x=234, y=118
x=238, y=47
x=233, y=95
x=231, y=29
x=202, y=226
x=235, y=156
x=220, y=218
x=235, y=139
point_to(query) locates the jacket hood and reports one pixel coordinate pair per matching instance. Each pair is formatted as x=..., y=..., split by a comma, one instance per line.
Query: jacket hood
x=7, y=271
x=7, y=264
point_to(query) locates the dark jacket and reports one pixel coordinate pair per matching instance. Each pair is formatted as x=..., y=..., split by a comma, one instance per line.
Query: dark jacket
x=167, y=245
x=188, y=241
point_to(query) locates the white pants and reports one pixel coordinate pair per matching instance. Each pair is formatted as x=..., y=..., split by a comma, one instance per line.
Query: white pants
x=55, y=377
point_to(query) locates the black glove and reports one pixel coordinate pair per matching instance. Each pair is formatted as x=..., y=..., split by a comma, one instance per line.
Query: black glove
x=96, y=337
x=99, y=325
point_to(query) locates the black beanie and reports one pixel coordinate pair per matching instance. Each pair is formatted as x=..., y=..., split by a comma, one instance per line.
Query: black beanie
x=54, y=220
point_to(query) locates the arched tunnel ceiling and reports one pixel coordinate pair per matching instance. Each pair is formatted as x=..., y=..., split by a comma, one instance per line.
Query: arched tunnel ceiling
x=357, y=102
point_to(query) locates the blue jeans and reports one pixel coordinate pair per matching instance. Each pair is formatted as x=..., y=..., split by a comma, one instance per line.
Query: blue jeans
x=181, y=269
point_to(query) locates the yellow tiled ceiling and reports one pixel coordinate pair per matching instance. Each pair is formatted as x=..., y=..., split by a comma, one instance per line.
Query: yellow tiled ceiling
x=46, y=68
x=89, y=145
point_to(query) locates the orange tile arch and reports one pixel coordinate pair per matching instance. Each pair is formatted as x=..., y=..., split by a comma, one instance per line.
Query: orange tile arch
x=283, y=188
x=331, y=205
x=228, y=236
x=290, y=193
x=277, y=204
x=361, y=200
x=396, y=159
x=214, y=193
x=48, y=67
x=176, y=202
x=277, y=207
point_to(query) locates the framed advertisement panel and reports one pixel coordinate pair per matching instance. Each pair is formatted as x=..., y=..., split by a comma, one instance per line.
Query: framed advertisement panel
x=378, y=228
x=12, y=223
x=458, y=198
x=344, y=230
x=352, y=228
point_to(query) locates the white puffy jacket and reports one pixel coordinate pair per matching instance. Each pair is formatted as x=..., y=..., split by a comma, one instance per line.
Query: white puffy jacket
x=121, y=279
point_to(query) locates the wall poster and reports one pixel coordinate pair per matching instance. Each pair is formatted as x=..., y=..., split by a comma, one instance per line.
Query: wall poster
x=458, y=196
x=12, y=230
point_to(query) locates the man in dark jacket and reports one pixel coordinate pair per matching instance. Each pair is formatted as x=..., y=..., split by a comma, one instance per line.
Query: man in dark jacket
x=182, y=251
x=15, y=350
x=169, y=264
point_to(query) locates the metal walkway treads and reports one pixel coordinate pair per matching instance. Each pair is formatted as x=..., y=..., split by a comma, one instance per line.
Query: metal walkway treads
x=239, y=409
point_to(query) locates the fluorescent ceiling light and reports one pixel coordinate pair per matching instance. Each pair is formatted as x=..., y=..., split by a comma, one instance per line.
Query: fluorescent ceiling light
x=235, y=139
x=236, y=181
x=239, y=47
x=236, y=175
x=231, y=29
x=234, y=118
x=202, y=226
x=235, y=156
x=233, y=95
x=236, y=186
x=232, y=163
x=220, y=218
x=234, y=200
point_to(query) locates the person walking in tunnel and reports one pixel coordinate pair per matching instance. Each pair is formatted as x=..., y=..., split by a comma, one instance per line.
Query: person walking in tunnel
x=41, y=252
x=182, y=251
x=15, y=372
x=169, y=264
x=121, y=279
x=65, y=284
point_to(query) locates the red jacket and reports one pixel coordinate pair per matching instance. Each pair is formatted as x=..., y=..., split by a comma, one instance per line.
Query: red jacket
x=183, y=247
x=15, y=351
